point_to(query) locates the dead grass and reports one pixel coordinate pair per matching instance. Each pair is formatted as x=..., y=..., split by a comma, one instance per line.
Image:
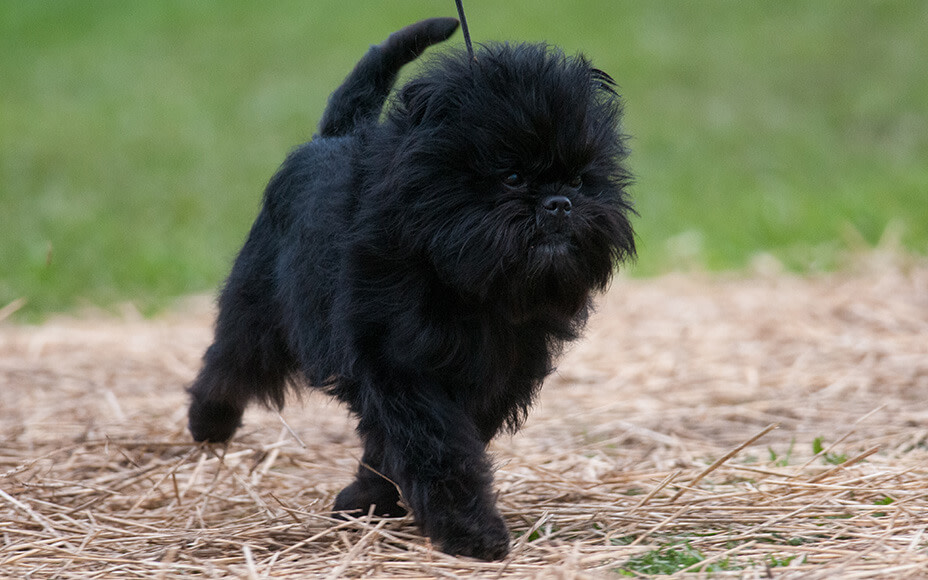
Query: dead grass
x=633, y=460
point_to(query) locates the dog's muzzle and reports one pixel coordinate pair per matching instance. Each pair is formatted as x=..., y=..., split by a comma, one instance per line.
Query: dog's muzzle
x=553, y=214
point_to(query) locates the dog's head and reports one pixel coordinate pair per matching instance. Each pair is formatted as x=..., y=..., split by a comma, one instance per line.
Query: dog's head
x=506, y=174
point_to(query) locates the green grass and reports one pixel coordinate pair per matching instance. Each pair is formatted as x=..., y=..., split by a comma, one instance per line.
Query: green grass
x=673, y=558
x=830, y=457
x=782, y=460
x=675, y=554
x=136, y=137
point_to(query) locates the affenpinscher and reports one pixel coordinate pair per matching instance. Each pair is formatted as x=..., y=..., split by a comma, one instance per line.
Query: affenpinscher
x=425, y=265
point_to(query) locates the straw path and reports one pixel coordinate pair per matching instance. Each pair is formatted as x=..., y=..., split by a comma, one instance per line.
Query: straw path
x=631, y=463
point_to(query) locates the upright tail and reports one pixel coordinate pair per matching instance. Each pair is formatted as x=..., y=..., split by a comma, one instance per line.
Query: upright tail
x=361, y=96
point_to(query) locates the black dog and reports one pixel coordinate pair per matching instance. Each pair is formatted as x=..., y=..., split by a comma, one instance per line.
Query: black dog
x=427, y=268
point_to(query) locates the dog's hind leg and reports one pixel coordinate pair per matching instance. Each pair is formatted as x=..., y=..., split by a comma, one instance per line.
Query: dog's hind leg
x=247, y=361
x=234, y=374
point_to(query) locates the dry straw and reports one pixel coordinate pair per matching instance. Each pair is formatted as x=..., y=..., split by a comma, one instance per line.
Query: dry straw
x=649, y=453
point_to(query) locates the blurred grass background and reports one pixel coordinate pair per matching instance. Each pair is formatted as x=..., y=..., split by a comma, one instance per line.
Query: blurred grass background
x=136, y=137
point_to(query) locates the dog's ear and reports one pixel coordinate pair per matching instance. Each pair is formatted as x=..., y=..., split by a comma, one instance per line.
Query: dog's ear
x=420, y=102
x=602, y=81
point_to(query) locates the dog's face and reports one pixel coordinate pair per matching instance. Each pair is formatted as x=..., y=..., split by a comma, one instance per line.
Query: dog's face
x=511, y=175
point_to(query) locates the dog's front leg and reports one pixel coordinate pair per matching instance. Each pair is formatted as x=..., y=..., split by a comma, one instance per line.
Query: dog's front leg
x=372, y=489
x=433, y=451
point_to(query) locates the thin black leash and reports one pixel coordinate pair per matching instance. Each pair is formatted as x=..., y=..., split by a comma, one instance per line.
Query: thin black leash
x=464, y=29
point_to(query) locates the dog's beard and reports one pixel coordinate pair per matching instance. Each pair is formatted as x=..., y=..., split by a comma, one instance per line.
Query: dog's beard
x=504, y=254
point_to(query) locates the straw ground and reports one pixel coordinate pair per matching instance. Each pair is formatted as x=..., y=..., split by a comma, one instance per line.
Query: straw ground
x=764, y=426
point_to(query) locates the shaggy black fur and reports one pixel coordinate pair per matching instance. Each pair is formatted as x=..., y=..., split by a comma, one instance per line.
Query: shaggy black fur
x=426, y=268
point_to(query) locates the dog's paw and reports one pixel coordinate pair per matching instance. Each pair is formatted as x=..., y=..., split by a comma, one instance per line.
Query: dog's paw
x=213, y=422
x=486, y=539
x=358, y=498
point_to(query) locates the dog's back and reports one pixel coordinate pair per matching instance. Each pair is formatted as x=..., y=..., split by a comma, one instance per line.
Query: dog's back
x=361, y=96
x=252, y=357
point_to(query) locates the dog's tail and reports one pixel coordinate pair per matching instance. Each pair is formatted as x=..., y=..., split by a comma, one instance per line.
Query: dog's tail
x=361, y=96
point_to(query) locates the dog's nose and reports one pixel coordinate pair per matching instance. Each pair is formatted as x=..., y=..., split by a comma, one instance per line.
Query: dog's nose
x=557, y=205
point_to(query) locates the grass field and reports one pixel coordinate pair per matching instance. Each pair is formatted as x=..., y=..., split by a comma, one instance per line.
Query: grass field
x=136, y=137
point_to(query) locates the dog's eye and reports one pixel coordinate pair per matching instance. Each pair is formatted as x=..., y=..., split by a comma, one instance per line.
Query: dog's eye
x=575, y=182
x=514, y=179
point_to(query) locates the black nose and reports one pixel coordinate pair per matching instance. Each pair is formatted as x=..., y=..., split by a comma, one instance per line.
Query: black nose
x=556, y=205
